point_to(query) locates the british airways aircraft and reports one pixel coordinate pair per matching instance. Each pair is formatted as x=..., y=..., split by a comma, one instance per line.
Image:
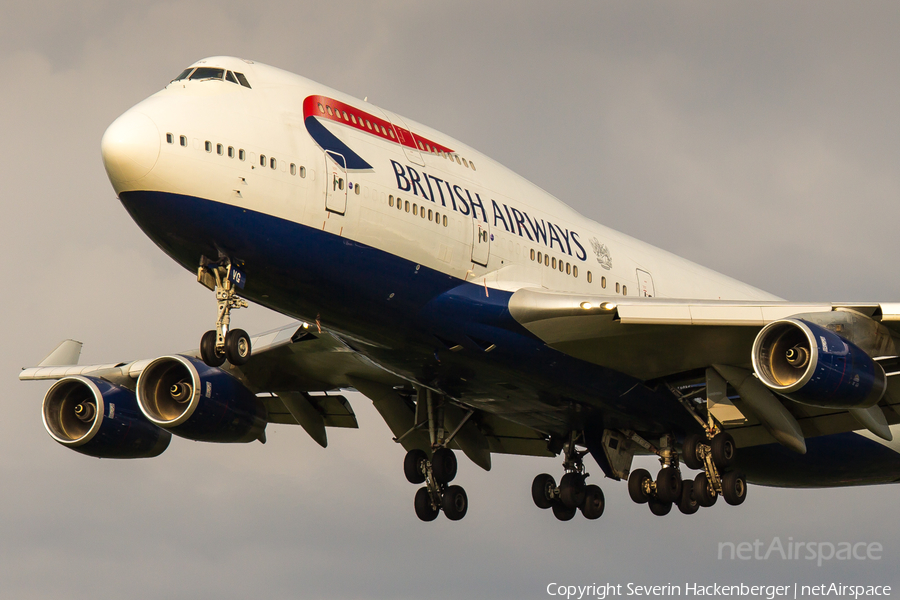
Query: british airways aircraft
x=479, y=314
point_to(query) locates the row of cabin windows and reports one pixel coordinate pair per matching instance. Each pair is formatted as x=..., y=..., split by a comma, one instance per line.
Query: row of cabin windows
x=431, y=215
x=240, y=153
x=564, y=267
x=425, y=147
x=570, y=269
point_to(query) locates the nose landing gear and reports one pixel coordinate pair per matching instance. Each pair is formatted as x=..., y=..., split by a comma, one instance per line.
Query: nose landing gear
x=221, y=343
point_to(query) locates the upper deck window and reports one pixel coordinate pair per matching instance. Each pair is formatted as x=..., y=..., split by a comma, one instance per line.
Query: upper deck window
x=207, y=73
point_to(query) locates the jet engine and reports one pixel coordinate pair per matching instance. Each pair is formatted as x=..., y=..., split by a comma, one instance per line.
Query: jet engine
x=97, y=418
x=198, y=402
x=813, y=365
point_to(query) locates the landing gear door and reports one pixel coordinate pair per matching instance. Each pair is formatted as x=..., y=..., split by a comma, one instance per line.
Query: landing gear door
x=645, y=284
x=335, y=183
x=481, y=243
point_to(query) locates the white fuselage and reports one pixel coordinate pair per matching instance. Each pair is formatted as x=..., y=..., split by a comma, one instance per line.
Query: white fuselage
x=213, y=136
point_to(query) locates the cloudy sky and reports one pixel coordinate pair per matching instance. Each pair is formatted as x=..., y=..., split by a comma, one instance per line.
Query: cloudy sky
x=760, y=139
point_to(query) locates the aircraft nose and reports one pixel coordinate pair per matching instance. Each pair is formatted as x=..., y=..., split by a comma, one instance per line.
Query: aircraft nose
x=130, y=148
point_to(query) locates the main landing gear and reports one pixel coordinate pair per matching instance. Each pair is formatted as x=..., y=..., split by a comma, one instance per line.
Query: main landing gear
x=221, y=343
x=572, y=494
x=437, y=472
x=713, y=454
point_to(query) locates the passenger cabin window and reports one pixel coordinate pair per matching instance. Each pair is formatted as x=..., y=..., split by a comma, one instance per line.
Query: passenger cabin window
x=230, y=151
x=242, y=155
x=262, y=160
x=220, y=149
x=170, y=138
x=272, y=163
x=208, y=146
x=183, y=140
x=207, y=73
x=293, y=169
x=303, y=171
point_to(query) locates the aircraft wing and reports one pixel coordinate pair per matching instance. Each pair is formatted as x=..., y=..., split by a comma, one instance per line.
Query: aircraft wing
x=297, y=371
x=691, y=344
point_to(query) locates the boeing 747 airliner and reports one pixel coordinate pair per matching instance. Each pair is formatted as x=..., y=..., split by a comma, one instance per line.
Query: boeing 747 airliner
x=479, y=313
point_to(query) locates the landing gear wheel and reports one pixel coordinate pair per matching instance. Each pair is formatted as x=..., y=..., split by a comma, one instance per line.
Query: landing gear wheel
x=734, y=487
x=688, y=504
x=237, y=347
x=659, y=508
x=542, y=490
x=636, y=483
x=424, y=510
x=723, y=450
x=443, y=463
x=668, y=485
x=562, y=512
x=689, y=451
x=572, y=490
x=703, y=492
x=208, y=350
x=455, y=503
x=594, y=502
x=414, y=465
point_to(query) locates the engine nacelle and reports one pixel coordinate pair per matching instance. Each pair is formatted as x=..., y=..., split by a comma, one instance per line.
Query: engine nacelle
x=199, y=402
x=813, y=365
x=97, y=418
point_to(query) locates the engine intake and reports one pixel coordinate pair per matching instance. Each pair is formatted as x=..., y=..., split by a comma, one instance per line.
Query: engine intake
x=199, y=402
x=97, y=418
x=813, y=365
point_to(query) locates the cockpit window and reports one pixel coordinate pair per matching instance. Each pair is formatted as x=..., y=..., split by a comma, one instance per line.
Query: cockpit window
x=207, y=73
x=242, y=79
x=229, y=76
x=184, y=74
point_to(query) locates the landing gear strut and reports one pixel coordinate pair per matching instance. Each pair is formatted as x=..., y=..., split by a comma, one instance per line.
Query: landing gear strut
x=438, y=471
x=216, y=345
x=572, y=493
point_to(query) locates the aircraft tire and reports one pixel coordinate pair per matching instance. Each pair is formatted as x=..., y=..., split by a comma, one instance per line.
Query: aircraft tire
x=563, y=512
x=237, y=347
x=541, y=490
x=444, y=465
x=659, y=508
x=668, y=485
x=208, y=350
x=636, y=485
x=455, y=503
x=688, y=504
x=423, y=505
x=572, y=490
x=723, y=450
x=412, y=465
x=594, y=502
x=734, y=487
x=689, y=449
x=704, y=494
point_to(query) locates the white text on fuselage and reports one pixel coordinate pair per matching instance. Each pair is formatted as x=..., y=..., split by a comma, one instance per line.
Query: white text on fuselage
x=513, y=220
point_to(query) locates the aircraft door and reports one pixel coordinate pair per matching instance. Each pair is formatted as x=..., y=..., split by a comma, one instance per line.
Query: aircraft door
x=481, y=243
x=645, y=284
x=406, y=139
x=335, y=182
